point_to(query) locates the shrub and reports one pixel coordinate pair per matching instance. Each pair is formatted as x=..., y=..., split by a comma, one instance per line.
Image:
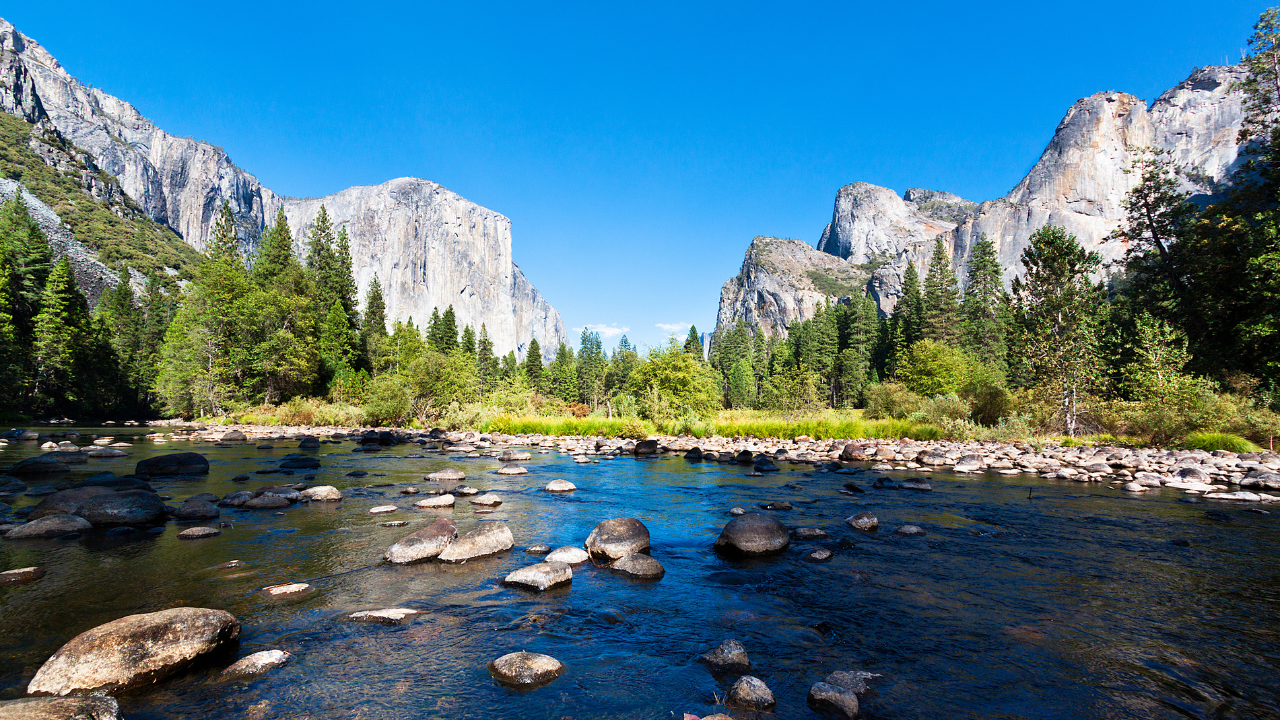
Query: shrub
x=941, y=410
x=932, y=368
x=1210, y=441
x=989, y=402
x=891, y=401
x=633, y=429
x=578, y=410
x=389, y=401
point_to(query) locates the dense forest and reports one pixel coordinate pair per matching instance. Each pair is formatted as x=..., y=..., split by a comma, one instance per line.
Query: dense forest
x=1182, y=337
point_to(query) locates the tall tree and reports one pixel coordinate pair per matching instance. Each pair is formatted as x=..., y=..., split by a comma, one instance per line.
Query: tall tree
x=621, y=364
x=1157, y=215
x=906, y=326
x=321, y=262
x=60, y=329
x=533, y=364
x=562, y=375
x=373, y=324
x=591, y=368
x=30, y=259
x=693, y=342
x=275, y=252
x=487, y=369
x=941, y=312
x=344, y=281
x=1057, y=308
x=983, y=308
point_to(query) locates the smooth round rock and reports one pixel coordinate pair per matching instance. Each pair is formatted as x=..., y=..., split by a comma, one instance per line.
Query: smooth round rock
x=750, y=693
x=833, y=699
x=131, y=507
x=465, y=491
x=513, y=470
x=382, y=509
x=196, y=533
x=65, y=501
x=184, y=463
x=322, y=493
x=424, y=544
x=617, y=538
x=50, y=526
x=305, y=462
x=60, y=708
x=864, y=521
x=256, y=664
x=40, y=466
x=447, y=474
x=910, y=531
x=21, y=576
x=539, y=549
x=753, y=534
x=737, y=511
x=487, y=500
x=560, y=486
x=389, y=616
x=543, y=576
x=134, y=651
x=489, y=538
x=437, y=501
x=571, y=555
x=196, y=509
x=638, y=566
x=727, y=657
x=1134, y=487
x=525, y=669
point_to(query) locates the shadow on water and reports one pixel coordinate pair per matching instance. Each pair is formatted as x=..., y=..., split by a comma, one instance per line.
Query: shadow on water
x=1075, y=603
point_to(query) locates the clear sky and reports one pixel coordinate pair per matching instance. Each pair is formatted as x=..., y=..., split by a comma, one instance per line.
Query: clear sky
x=638, y=149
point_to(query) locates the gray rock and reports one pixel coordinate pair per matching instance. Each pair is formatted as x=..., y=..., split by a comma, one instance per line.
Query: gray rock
x=10, y=484
x=21, y=576
x=638, y=566
x=543, y=576
x=447, y=474
x=65, y=502
x=287, y=591
x=513, y=456
x=646, y=447
x=910, y=531
x=819, y=555
x=196, y=510
x=256, y=664
x=750, y=693
x=183, y=463
x=197, y=533
x=39, y=466
x=525, y=669
x=808, y=533
x=309, y=442
x=134, y=651
x=616, y=538
x=487, y=500
x=436, y=502
x=60, y=708
x=131, y=507
x=305, y=462
x=855, y=680
x=727, y=657
x=513, y=470
x=266, y=502
x=322, y=493
x=489, y=538
x=389, y=616
x=833, y=699
x=539, y=549
x=863, y=521
x=1192, y=474
x=560, y=486
x=50, y=526
x=423, y=544
x=234, y=436
x=570, y=555
x=753, y=534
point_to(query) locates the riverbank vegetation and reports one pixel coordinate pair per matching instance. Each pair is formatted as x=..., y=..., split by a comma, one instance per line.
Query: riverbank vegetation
x=1177, y=344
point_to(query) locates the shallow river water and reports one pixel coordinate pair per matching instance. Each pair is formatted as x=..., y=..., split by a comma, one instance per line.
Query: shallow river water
x=1074, y=603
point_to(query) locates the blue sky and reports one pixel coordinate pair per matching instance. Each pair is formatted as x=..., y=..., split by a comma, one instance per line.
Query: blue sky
x=637, y=150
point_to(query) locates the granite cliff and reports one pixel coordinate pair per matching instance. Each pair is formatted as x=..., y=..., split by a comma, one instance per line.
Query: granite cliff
x=429, y=247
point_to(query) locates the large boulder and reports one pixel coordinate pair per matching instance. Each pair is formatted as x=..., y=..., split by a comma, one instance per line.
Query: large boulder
x=49, y=526
x=69, y=708
x=234, y=436
x=424, y=544
x=834, y=700
x=525, y=669
x=617, y=538
x=134, y=651
x=510, y=455
x=727, y=657
x=65, y=502
x=322, y=493
x=197, y=510
x=10, y=484
x=638, y=566
x=753, y=534
x=183, y=463
x=40, y=466
x=646, y=447
x=131, y=507
x=489, y=538
x=750, y=693
x=543, y=576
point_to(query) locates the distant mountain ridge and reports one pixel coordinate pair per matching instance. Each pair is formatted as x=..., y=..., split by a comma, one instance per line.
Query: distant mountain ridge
x=1079, y=182
x=428, y=246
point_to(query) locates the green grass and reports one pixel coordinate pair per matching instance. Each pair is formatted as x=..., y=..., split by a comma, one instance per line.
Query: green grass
x=587, y=426
x=821, y=428
x=1210, y=441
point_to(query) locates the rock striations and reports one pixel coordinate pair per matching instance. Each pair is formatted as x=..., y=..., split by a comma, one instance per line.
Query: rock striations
x=1079, y=182
x=429, y=247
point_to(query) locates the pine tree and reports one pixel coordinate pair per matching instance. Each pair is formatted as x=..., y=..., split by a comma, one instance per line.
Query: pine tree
x=486, y=364
x=468, y=343
x=11, y=364
x=30, y=260
x=373, y=325
x=510, y=367
x=344, y=282
x=621, y=365
x=983, y=306
x=693, y=343
x=907, y=323
x=275, y=252
x=741, y=385
x=447, y=339
x=321, y=261
x=337, y=342
x=533, y=364
x=59, y=328
x=591, y=368
x=941, y=311
x=1057, y=309
x=562, y=375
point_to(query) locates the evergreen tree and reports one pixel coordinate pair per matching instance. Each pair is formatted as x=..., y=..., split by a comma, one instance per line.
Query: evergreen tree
x=510, y=367
x=906, y=326
x=693, y=343
x=1057, y=310
x=592, y=366
x=337, y=342
x=983, y=308
x=533, y=364
x=30, y=259
x=373, y=324
x=60, y=329
x=742, y=385
x=344, y=281
x=322, y=265
x=275, y=252
x=448, y=337
x=621, y=365
x=562, y=375
x=941, y=311
x=468, y=343
x=10, y=351
x=1157, y=215
x=487, y=368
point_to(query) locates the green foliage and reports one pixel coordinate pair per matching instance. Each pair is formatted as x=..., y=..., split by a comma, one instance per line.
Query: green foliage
x=892, y=401
x=670, y=383
x=692, y=342
x=793, y=391
x=438, y=380
x=592, y=367
x=941, y=311
x=533, y=364
x=1211, y=441
x=833, y=286
x=389, y=403
x=931, y=368
x=942, y=410
x=984, y=308
x=741, y=385
x=562, y=375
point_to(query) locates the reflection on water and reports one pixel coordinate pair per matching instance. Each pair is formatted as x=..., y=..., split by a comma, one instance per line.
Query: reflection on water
x=1072, y=604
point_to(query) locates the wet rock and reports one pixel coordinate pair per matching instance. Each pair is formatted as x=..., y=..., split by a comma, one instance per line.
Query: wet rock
x=750, y=693
x=513, y=456
x=60, y=708
x=394, y=523
x=196, y=510
x=560, y=486
x=864, y=521
x=11, y=485
x=103, y=452
x=21, y=576
x=833, y=699
x=309, y=442
x=50, y=526
x=777, y=505
x=242, y=477
x=616, y=538
x=753, y=534
x=638, y=566
x=438, y=501
x=256, y=664
x=487, y=500
x=357, y=473
x=464, y=491
x=817, y=556
x=726, y=658
x=910, y=531
x=1192, y=474
x=266, y=502
x=305, y=462
x=763, y=464
x=489, y=538
x=447, y=474
x=737, y=511
x=184, y=463
x=543, y=576
x=808, y=533
x=322, y=493
x=389, y=616
x=539, y=549
x=646, y=447
x=570, y=555
x=854, y=680
x=134, y=651
x=693, y=454
x=233, y=436
x=423, y=544
x=525, y=669
x=915, y=484
x=40, y=466
x=382, y=509
x=205, y=496
x=411, y=490
x=1134, y=487
x=65, y=502
x=131, y=507
x=513, y=470
x=287, y=591
x=197, y=533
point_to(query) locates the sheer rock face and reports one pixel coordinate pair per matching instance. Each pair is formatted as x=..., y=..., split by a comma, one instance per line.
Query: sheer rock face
x=782, y=281
x=870, y=221
x=429, y=247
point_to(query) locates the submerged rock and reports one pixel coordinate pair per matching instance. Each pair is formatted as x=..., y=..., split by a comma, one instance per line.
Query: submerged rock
x=266, y=502
x=570, y=555
x=543, y=576
x=424, y=544
x=750, y=693
x=65, y=501
x=39, y=466
x=526, y=669
x=256, y=664
x=833, y=699
x=134, y=651
x=639, y=566
x=727, y=657
x=305, y=462
x=910, y=531
x=197, y=509
x=753, y=534
x=389, y=616
x=447, y=474
x=60, y=708
x=437, y=501
x=513, y=470
x=196, y=533
x=489, y=538
x=21, y=576
x=50, y=526
x=287, y=591
x=184, y=463
x=487, y=500
x=617, y=538
x=539, y=549
x=864, y=521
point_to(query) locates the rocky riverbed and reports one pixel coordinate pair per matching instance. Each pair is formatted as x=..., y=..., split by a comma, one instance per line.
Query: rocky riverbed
x=401, y=573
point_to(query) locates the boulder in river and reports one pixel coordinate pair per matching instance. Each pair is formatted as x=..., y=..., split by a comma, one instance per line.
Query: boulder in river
x=834, y=700
x=255, y=664
x=288, y=591
x=60, y=708
x=510, y=455
x=388, y=616
x=750, y=693
x=513, y=470
x=568, y=554
x=197, y=533
x=322, y=493
x=539, y=549
x=65, y=502
x=560, y=486
x=302, y=462
x=727, y=657
x=864, y=521
x=447, y=474
x=638, y=566
x=21, y=576
x=183, y=463
x=423, y=544
x=49, y=526
x=753, y=534
x=266, y=502
x=525, y=669
x=910, y=531
x=131, y=507
x=542, y=576
x=487, y=500
x=646, y=447
x=436, y=502
x=489, y=538
x=616, y=538
x=196, y=509
x=233, y=436
x=40, y=466
x=134, y=651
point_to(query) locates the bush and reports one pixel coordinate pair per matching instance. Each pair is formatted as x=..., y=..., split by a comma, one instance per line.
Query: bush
x=891, y=401
x=389, y=402
x=931, y=368
x=633, y=429
x=941, y=410
x=1210, y=441
x=989, y=402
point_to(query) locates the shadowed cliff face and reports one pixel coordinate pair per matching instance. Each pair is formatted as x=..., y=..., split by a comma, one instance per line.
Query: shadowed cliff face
x=433, y=250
